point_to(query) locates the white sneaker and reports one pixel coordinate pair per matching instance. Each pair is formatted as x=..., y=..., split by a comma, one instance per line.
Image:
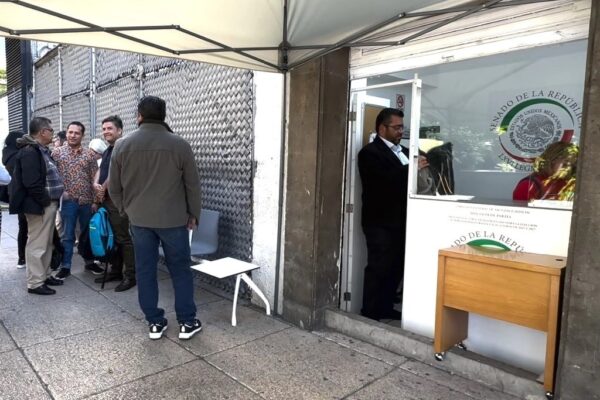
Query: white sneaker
x=21, y=266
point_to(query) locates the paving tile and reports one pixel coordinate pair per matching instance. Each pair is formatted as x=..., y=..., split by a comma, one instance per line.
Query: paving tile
x=402, y=384
x=295, y=364
x=455, y=382
x=13, y=294
x=10, y=272
x=363, y=347
x=40, y=322
x=92, y=362
x=195, y=380
x=88, y=278
x=17, y=379
x=6, y=342
x=218, y=334
x=128, y=300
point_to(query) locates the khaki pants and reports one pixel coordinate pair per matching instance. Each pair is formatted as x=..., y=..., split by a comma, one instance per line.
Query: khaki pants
x=38, y=251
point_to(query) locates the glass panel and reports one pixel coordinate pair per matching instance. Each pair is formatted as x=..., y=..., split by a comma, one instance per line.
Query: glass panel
x=486, y=123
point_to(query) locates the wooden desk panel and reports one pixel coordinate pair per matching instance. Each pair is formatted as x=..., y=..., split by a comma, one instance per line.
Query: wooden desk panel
x=520, y=297
x=522, y=288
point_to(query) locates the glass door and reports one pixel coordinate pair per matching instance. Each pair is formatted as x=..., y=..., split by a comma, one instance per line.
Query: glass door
x=366, y=101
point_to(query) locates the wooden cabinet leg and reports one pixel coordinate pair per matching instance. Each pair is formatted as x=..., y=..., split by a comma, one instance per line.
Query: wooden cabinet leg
x=453, y=330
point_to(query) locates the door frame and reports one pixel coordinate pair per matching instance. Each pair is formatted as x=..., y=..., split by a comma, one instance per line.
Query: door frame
x=354, y=248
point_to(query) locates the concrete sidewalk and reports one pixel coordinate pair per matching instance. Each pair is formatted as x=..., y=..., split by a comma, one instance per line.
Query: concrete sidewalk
x=85, y=342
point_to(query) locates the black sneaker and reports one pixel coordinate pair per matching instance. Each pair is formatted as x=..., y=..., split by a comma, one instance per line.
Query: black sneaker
x=187, y=330
x=157, y=330
x=94, y=269
x=52, y=281
x=62, y=273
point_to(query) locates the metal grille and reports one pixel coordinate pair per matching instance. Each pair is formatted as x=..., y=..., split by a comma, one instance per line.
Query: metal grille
x=51, y=113
x=152, y=63
x=118, y=98
x=46, y=84
x=210, y=106
x=77, y=108
x=76, y=69
x=112, y=65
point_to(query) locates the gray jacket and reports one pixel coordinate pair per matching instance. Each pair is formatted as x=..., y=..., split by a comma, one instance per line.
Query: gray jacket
x=153, y=178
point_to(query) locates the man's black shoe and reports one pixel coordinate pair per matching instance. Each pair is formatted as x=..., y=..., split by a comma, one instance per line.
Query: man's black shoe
x=42, y=290
x=157, y=330
x=52, y=281
x=125, y=284
x=94, y=269
x=187, y=330
x=63, y=273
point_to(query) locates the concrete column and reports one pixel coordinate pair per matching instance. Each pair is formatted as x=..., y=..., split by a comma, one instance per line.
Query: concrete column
x=318, y=107
x=578, y=375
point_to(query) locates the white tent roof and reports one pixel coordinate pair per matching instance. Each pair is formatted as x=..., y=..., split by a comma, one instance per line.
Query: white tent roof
x=241, y=33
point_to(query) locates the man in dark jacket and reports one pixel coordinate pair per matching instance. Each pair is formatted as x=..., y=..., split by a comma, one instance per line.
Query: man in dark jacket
x=153, y=178
x=36, y=188
x=9, y=158
x=383, y=168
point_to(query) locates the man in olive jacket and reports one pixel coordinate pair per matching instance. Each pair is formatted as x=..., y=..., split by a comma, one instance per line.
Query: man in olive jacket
x=153, y=178
x=36, y=189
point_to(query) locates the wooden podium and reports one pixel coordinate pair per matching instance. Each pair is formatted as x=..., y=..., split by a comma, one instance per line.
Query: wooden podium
x=521, y=288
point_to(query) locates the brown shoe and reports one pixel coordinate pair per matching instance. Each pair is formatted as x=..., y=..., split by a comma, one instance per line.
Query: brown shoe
x=125, y=284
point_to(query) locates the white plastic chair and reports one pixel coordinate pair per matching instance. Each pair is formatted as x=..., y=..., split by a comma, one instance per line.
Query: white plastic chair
x=205, y=239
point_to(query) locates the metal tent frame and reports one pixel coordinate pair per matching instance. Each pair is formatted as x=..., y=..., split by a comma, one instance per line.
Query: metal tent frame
x=359, y=39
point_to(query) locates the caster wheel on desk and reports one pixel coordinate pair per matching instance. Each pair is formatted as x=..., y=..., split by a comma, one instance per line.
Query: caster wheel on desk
x=462, y=346
x=439, y=356
x=550, y=395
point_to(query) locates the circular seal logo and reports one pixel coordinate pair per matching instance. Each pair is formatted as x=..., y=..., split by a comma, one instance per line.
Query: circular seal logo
x=530, y=126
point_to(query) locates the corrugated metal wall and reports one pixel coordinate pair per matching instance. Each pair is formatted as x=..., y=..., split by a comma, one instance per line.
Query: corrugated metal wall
x=18, y=59
x=210, y=106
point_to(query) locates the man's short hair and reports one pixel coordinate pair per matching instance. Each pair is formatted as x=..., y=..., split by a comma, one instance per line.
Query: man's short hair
x=62, y=135
x=152, y=107
x=79, y=124
x=37, y=124
x=116, y=121
x=385, y=116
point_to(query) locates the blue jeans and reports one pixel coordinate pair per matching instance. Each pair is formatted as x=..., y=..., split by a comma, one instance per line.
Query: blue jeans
x=175, y=242
x=70, y=212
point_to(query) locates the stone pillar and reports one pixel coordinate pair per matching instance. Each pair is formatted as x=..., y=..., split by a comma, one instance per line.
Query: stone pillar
x=578, y=374
x=318, y=108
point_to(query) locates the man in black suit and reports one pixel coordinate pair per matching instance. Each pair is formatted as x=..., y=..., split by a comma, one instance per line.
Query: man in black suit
x=383, y=168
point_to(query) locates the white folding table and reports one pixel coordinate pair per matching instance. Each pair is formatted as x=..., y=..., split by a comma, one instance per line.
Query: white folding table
x=225, y=267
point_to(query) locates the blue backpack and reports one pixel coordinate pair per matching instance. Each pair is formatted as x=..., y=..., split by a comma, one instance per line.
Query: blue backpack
x=101, y=236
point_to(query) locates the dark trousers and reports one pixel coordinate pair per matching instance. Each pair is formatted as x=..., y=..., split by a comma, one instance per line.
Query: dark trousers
x=123, y=262
x=22, y=237
x=175, y=242
x=384, y=271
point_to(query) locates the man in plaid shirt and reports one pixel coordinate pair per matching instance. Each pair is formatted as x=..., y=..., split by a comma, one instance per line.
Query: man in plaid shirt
x=35, y=191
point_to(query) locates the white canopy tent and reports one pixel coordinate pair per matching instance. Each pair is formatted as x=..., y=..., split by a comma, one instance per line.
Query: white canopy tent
x=267, y=35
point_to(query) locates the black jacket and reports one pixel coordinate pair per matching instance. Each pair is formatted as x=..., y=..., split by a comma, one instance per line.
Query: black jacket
x=28, y=192
x=384, y=186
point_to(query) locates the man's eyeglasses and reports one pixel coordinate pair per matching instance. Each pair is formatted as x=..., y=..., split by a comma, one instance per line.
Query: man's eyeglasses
x=396, y=127
x=49, y=130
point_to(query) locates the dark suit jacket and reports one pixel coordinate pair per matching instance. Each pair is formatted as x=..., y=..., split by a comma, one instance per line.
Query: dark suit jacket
x=385, y=185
